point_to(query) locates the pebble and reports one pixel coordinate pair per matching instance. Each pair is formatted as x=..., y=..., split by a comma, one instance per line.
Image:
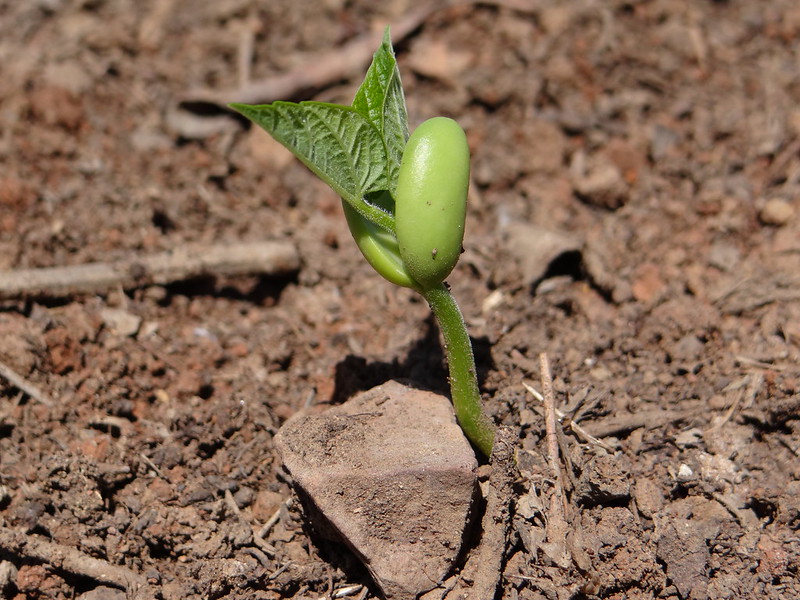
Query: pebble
x=604, y=186
x=103, y=593
x=8, y=572
x=121, y=321
x=535, y=248
x=776, y=211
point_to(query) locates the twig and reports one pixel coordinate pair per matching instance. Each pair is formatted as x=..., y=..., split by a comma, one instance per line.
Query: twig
x=484, y=568
x=348, y=590
x=728, y=414
x=259, y=556
x=573, y=425
x=320, y=72
x=627, y=423
x=265, y=546
x=22, y=384
x=753, y=362
x=273, y=258
x=556, y=518
x=230, y=502
x=257, y=538
x=364, y=593
x=584, y=407
x=617, y=425
x=279, y=570
x=744, y=518
x=265, y=529
x=70, y=560
x=152, y=465
x=752, y=390
x=314, y=74
x=245, y=52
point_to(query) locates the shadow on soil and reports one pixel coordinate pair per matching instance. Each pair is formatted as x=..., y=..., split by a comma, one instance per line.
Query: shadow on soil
x=424, y=367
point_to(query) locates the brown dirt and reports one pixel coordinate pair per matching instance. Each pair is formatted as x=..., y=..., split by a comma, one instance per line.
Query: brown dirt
x=663, y=136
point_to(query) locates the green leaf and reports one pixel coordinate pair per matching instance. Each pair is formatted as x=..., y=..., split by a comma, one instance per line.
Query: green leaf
x=380, y=99
x=339, y=144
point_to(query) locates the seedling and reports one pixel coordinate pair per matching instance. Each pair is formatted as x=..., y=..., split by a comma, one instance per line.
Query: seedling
x=404, y=199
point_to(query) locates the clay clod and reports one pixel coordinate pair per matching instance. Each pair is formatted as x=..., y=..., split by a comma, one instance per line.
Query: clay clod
x=391, y=473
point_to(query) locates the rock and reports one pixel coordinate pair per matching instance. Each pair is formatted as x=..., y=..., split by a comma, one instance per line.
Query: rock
x=120, y=321
x=603, y=187
x=649, y=497
x=391, y=474
x=56, y=106
x=535, y=248
x=685, y=554
x=647, y=284
x=186, y=124
x=437, y=60
x=69, y=74
x=776, y=211
x=103, y=593
x=604, y=482
x=724, y=255
x=8, y=572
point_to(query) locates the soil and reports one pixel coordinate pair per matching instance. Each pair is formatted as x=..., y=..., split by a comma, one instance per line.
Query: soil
x=633, y=214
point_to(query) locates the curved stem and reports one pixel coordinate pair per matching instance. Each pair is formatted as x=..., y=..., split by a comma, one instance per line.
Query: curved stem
x=371, y=213
x=477, y=426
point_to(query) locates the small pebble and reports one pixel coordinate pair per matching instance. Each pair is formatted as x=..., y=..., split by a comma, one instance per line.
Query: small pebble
x=685, y=473
x=8, y=572
x=244, y=497
x=776, y=211
x=120, y=321
x=103, y=593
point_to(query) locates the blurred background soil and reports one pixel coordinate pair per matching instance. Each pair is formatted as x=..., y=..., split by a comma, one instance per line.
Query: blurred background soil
x=634, y=213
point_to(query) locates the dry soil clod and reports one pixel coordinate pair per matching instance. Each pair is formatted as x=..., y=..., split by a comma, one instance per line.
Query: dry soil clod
x=391, y=474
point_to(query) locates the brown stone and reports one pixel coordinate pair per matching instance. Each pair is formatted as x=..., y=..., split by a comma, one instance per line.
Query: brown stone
x=391, y=474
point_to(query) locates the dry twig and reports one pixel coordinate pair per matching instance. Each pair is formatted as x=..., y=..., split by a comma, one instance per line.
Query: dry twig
x=573, y=425
x=320, y=72
x=557, y=528
x=627, y=423
x=259, y=541
x=265, y=529
x=273, y=258
x=483, y=570
x=755, y=382
x=71, y=560
x=22, y=384
x=317, y=73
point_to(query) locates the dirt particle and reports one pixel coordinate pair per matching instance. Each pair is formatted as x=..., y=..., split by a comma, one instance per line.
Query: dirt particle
x=647, y=283
x=604, y=481
x=603, y=186
x=777, y=212
x=649, y=497
x=39, y=581
x=103, y=593
x=437, y=60
x=15, y=194
x=57, y=106
x=686, y=555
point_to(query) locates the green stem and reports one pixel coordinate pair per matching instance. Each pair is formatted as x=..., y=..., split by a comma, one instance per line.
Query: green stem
x=477, y=426
x=371, y=213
